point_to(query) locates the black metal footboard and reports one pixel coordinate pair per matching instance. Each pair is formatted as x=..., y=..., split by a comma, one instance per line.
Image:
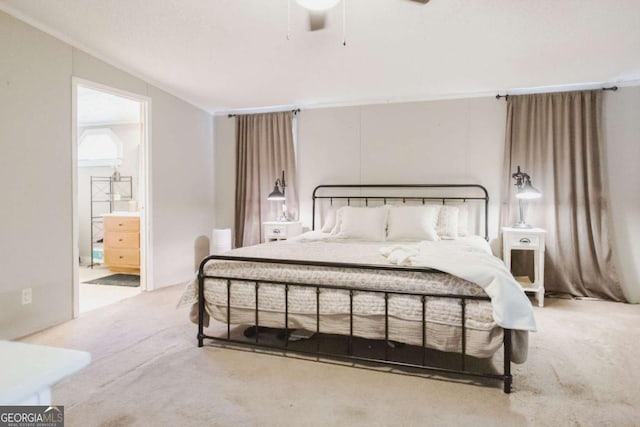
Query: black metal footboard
x=505, y=377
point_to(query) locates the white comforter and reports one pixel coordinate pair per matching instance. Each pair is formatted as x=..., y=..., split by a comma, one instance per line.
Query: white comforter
x=511, y=308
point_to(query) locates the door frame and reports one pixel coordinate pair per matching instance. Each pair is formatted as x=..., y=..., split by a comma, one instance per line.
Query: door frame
x=144, y=200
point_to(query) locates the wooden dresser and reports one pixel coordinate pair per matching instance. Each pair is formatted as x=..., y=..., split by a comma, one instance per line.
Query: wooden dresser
x=122, y=243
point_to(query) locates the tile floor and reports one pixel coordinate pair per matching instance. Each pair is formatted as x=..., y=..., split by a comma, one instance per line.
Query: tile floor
x=96, y=296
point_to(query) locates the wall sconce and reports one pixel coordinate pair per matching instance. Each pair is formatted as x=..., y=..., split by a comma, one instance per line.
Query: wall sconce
x=526, y=191
x=278, y=194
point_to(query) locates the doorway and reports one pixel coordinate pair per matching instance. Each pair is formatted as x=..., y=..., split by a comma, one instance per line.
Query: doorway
x=111, y=194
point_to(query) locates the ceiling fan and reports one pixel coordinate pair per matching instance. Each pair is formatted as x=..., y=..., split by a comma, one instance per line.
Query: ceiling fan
x=318, y=11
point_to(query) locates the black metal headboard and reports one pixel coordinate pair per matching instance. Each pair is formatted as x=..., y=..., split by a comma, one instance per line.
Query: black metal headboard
x=385, y=192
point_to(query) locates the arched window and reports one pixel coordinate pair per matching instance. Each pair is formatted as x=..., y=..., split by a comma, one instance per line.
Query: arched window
x=99, y=147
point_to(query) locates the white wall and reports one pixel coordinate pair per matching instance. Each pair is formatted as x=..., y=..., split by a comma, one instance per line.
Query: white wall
x=182, y=181
x=453, y=141
x=441, y=141
x=35, y=207
x=36, y=211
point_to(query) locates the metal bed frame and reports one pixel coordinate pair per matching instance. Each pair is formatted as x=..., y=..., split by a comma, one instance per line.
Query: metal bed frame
x=505, y=377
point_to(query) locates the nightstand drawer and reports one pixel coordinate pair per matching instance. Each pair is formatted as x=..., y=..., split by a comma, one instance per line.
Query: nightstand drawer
x=524, y=241
x=280, y=230
x=275, y=231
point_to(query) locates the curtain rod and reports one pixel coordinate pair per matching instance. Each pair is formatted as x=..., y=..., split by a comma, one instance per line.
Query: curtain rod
x=612, y=88
x=296, y=111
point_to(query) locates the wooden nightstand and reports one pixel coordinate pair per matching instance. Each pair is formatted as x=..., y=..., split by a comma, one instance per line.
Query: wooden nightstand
x=280, y=230
x=529, y=239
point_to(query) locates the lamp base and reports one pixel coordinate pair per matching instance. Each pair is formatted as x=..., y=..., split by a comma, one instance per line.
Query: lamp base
x=522, y=225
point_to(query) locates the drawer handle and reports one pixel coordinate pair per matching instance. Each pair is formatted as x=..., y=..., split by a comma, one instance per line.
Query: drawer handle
x=525, y=240
x=276, y=231
x=121, y=257
x=119, y=240
x=120, y=224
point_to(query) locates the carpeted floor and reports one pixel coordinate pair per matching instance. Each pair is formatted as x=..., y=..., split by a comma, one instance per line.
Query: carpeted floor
x=583, y=369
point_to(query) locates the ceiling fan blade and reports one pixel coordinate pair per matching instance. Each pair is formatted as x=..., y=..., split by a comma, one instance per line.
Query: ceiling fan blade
x=317, y=20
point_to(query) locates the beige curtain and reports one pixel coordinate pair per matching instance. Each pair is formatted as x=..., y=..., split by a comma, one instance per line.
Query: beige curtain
x=264, y=148
x=555, y=138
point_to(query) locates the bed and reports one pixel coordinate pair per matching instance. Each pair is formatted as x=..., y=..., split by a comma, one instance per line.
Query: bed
x=427, y=294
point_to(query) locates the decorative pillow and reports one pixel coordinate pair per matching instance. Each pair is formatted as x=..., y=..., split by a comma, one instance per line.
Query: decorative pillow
x=338, y=223
x=463, y=220
x=330, y=221
x=413, y=223
x=364, y=223
x=447, y=226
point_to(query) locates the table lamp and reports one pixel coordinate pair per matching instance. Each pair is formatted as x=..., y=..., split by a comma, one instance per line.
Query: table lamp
x=526, y=191
x=278, y=194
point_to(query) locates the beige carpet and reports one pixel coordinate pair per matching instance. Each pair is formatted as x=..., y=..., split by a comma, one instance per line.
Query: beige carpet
x=583, y=369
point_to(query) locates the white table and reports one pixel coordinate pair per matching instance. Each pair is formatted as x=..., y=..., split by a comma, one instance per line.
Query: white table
x=530, y=239
x=27, y=371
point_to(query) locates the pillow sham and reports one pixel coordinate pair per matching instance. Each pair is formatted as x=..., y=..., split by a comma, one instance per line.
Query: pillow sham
x=463, y=220
x=413, y=223
x=338, y=223
x=447, y=227
x=330, y=221
x=363, y=223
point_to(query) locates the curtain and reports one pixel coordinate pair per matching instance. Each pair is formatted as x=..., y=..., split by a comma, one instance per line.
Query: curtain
x=264, y=148
x=555, y=138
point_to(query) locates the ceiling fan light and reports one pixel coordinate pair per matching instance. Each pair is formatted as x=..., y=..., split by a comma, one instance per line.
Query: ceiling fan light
x=318, y=5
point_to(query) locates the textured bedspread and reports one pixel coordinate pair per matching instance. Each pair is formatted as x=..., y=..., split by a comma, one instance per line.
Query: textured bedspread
x=440, y=311
x=302, y=300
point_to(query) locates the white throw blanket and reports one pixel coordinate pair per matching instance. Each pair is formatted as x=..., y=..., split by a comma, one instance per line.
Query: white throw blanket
x=511, y=307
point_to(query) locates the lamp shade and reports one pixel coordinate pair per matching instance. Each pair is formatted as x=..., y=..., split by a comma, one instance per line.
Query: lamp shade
x=528, y=192
x=276, y=194
x=317, y=5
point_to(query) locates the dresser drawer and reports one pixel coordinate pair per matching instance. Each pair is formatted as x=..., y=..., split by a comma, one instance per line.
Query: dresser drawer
x=122, y=257
x=121, y=223
x=124, y=239
x=524, y=241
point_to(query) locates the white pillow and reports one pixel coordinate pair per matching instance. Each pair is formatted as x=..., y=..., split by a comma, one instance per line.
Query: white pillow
x=364, y=223
x=463, y=220
x=330, y=221
x=447, y=227
x=338, y=223
x=413, y=223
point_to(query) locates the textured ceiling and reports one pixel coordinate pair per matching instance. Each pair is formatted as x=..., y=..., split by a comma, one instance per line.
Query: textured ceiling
x=232, y=54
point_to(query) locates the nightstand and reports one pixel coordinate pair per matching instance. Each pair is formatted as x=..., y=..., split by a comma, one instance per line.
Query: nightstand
x=280, y=230
x=529, y=239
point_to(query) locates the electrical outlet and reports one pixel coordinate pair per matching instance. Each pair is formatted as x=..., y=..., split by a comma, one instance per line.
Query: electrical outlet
x=26, y=296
